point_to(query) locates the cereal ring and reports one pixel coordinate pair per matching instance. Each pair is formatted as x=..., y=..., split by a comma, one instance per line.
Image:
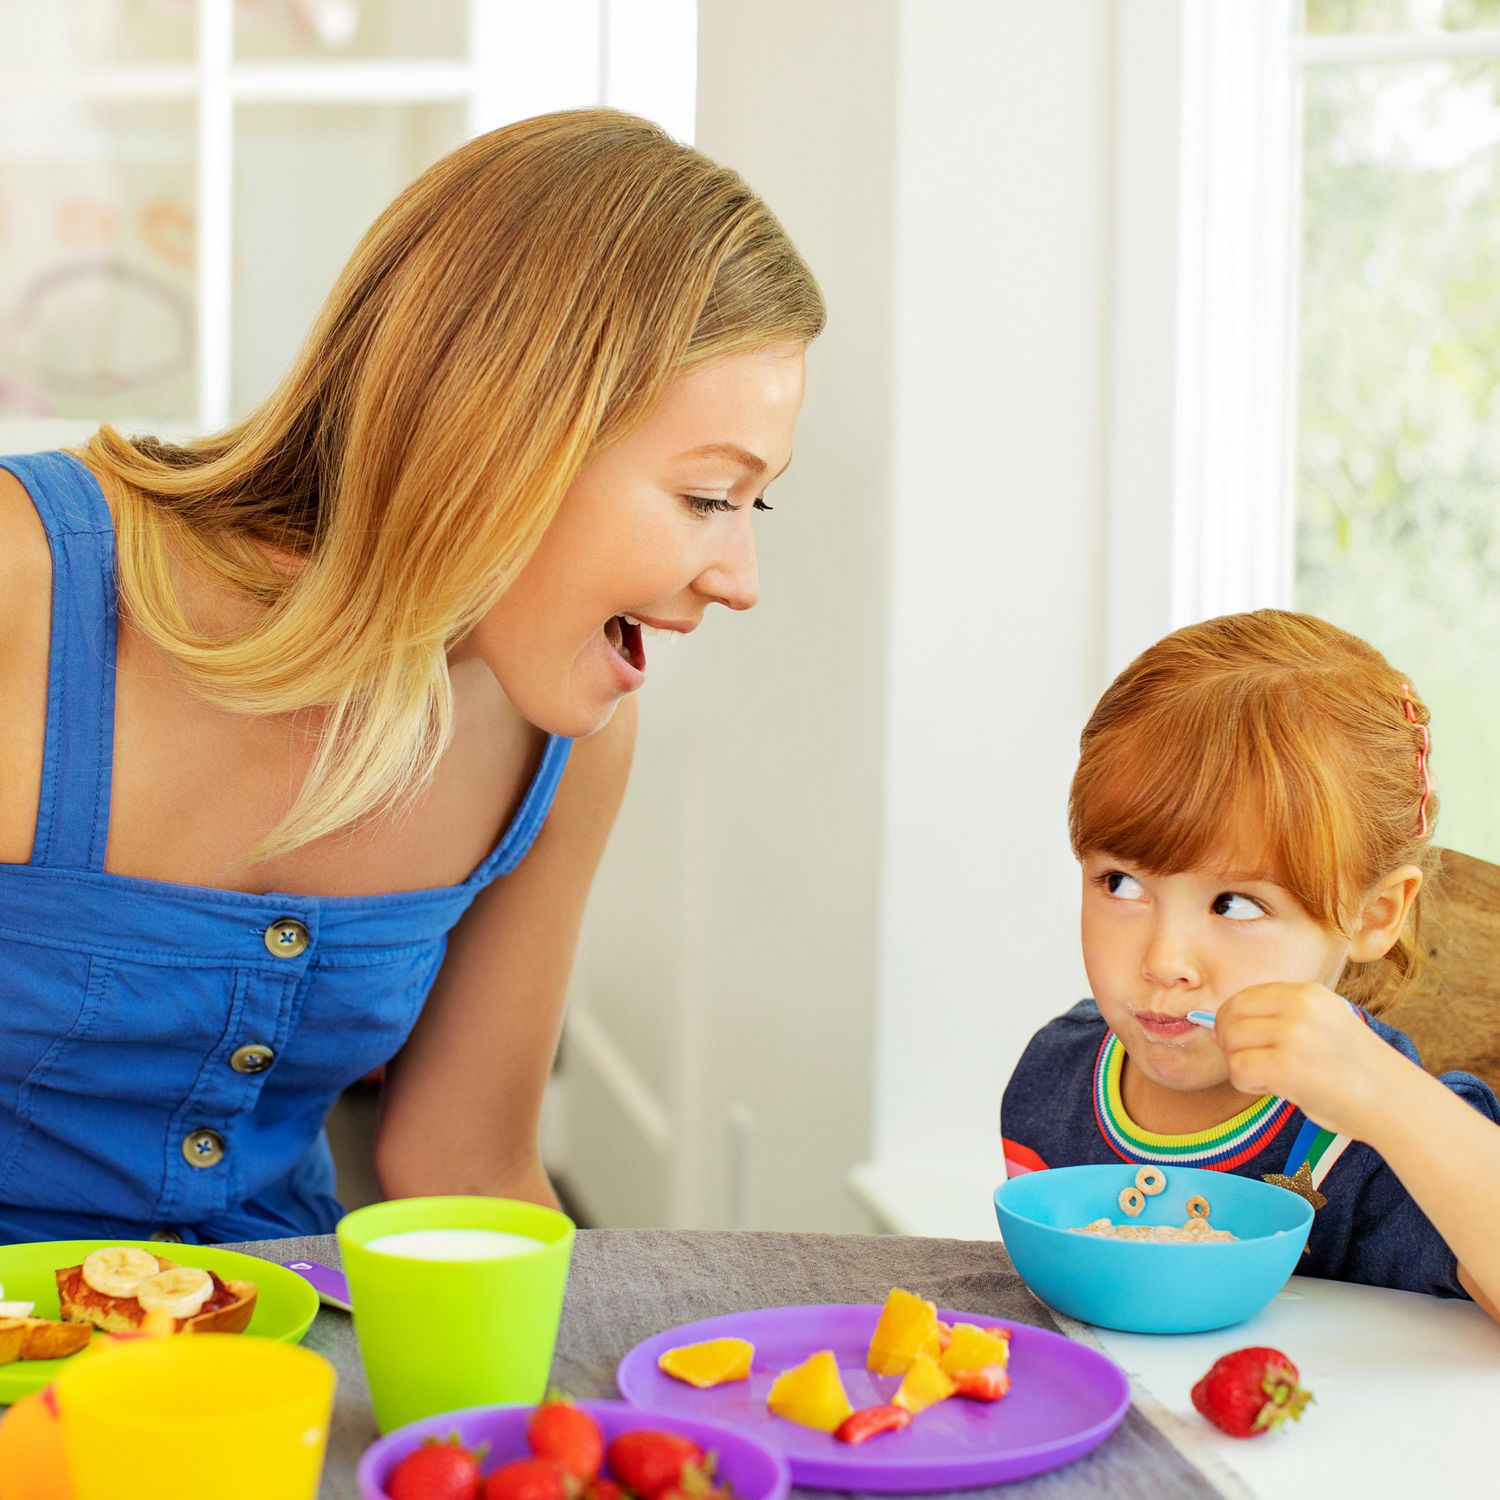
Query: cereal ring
x=1151, y=1180
x=1197, y=1226
x=1197, y=1207
x=1097, y=1225
x=1132, y=1200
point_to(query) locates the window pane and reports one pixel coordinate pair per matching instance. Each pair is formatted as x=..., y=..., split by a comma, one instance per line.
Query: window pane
x=96, y=259
x=1398, y=485
x=310, y=30
x=1343, y=16
x=62, y=34
x=309, y=180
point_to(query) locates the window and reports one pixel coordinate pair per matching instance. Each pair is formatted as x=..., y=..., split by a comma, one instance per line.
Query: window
x=1307, y=342
x=1398, y=430
x=180, y=180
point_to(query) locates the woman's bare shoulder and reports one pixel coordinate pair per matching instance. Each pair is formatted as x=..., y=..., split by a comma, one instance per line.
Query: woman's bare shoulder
x=25, y=631
x=25, y=559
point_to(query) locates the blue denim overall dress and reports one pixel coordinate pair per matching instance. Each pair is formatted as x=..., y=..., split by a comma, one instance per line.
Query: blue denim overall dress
x=168, y=1052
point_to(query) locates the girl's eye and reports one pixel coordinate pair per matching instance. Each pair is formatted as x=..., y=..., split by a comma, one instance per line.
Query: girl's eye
x=707, y=505
x=1119, y=884
x=1236, y=907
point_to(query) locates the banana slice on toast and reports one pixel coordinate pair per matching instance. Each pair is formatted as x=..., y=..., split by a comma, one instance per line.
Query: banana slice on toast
x=197, y=1301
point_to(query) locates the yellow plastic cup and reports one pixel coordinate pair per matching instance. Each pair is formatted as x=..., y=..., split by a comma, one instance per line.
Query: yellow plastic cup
x=437, y=1333
x=180, y=1418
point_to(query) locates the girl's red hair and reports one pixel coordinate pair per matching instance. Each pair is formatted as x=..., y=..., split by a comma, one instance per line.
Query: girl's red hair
x=1271, y=741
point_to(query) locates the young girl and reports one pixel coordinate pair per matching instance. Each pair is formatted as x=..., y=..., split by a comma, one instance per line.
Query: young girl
x=1252, y=810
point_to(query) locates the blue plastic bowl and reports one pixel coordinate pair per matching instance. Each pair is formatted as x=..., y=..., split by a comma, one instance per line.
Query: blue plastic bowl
x=1138, y=1285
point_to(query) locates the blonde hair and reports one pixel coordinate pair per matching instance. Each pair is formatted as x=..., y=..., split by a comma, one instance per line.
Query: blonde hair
x=519, y=306
x=1270, y=737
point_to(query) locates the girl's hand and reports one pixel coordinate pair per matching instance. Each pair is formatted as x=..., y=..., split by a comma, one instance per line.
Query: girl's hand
x=1302, y=1042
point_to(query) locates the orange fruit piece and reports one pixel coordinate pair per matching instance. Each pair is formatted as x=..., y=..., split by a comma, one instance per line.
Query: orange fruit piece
x=924, y=1384
x=33, y=1463
x=812, y=1394
x=908, y=1325
x=976, y=1348
x=710, y=1363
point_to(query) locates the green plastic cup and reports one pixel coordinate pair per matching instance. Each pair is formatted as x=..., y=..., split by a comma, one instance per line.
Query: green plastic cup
x=436, y=1333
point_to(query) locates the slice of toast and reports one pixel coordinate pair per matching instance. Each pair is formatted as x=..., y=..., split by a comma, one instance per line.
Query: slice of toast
x=228, y=1310
x=50, y=1338
x=12, y=1339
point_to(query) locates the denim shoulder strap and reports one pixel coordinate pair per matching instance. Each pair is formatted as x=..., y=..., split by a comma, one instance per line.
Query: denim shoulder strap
x=72, y=821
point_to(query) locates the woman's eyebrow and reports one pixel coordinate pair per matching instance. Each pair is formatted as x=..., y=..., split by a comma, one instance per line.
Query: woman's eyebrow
x=732, y=451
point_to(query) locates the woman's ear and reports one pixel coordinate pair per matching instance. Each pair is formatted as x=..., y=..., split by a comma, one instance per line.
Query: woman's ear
x=1384, y=914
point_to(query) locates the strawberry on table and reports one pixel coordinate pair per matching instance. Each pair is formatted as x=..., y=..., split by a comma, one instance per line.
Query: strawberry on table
x=532, y=1479
x=603, y=1489
x=438, y=1470
x=560, y=1430
x=1251, y=1391
x=649, y=1462
x=871, y=1421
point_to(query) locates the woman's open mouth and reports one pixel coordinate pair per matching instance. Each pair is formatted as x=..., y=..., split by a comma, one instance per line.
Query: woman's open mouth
x=624, y=634
x=627, y=652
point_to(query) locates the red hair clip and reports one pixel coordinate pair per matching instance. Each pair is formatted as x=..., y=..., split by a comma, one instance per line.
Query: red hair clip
x=1422, y=771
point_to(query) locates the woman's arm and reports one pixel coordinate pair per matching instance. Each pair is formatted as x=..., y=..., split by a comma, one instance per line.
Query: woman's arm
x=461, y=1103
x=1303, y=1042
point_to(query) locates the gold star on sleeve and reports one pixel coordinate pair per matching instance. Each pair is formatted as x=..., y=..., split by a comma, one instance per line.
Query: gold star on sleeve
x=1300, y=1183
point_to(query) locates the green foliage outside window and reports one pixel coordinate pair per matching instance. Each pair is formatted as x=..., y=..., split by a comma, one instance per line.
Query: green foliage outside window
x=1398, y=461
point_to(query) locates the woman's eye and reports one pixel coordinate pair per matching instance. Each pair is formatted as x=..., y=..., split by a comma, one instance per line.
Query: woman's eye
x=1126, y=887
x=1237, y=907
x=707, y=505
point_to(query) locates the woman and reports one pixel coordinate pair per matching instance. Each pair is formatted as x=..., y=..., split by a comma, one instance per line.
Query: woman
x=263, y=811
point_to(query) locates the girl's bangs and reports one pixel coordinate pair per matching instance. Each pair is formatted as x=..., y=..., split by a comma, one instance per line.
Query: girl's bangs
x=1189, y=796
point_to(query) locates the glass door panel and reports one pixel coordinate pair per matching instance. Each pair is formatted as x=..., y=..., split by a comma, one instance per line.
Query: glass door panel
x=314, y=30
x=70, y=34
x=97, y=245
x=1398, y=473
x=309, y=180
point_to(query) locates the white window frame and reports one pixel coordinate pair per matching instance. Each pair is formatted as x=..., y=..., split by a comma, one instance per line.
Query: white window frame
x=1202, y=492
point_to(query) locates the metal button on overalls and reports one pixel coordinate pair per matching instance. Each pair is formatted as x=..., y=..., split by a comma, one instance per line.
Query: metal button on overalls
x=286, y=937
x=254, y=1057
x=204, y=1148
x=166, y=1236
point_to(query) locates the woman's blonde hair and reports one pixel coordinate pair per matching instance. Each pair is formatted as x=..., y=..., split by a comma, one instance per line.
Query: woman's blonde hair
x=1269, y=738
x=520, y=306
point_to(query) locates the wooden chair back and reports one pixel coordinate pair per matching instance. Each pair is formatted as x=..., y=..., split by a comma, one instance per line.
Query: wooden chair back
x=1452, y=1010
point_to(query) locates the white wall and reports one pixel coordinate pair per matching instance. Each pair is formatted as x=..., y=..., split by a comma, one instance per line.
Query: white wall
x=840, y=898
x=719, y=1060
x=1002, y=318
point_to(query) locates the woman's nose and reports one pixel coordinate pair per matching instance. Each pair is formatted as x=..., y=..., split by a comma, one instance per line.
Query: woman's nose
x=733, y=578
x=1168, y=962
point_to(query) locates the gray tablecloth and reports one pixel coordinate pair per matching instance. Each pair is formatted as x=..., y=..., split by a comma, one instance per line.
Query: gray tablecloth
x=626, y=1284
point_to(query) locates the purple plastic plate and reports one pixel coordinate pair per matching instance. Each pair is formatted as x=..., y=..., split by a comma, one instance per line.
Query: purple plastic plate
x=754, y=1469
x=1065, y=1399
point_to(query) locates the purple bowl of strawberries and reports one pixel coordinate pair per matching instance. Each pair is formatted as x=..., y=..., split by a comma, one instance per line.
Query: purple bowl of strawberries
x=560, y=1450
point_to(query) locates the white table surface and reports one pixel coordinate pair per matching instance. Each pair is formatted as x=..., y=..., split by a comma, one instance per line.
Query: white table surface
x=1407, y=1388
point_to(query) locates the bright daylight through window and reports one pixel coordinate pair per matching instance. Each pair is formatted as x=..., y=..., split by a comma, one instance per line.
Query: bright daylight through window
x=1398, y=445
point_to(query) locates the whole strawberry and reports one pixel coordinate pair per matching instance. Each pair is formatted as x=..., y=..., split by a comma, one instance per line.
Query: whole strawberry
x=1250, y=1392
x=559, y=1430
x=532, y=1479
x=443, y=1470
x=649, y=1462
